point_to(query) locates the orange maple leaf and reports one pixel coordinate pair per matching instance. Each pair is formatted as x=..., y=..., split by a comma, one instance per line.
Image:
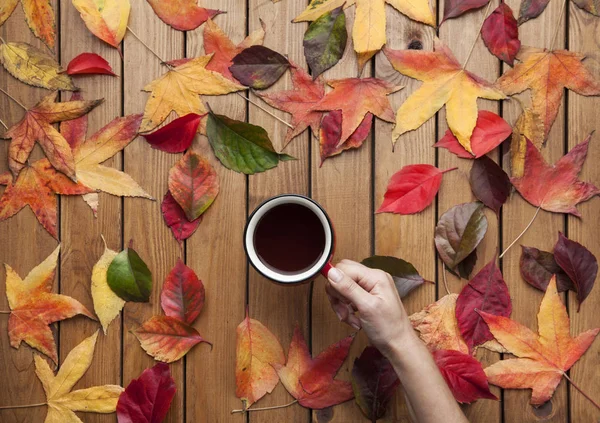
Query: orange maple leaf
x=36, y=126
x=555, y=188
x=299, y=102
x=311, y=381
x=36, y=187
x=33, y=306
x=217, y=43
x=544, y=357
x=547, y=73
x=356, y=97
x=445, y=81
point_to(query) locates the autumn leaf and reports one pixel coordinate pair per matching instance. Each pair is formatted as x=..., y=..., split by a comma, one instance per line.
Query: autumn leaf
x=543, y=357
x=106, y=19
x=34, y=67
x=182, y=295
x=500, y=34
x=356, y=97
x=406, y=277
x=489, y=132
x=437, y=325
x=34, y=306
x=330, y=134
x=183, y=15
x=311, y=381
x=166, y=338
x=176, y=136
x=444, y=82
x=590, y=6
x=89, y=63
x=39, y=16
x=61, y=401
x=465, y=267
x=217, y=43
x=241, y=146
x=464, y=375
x=176, y=219
x=455, y=8
x=299, y=102
x=374, y=382
x=459, y=231
x=555, y=188
x=129, y=277
x=529, y=126
x=530, y=9
x=147, y=398
x=412, y=189
x=325, y=41
x=107, y=304
x=368, y=32
x=6, y=9
x=258, y=67
x=194, y=184
x=547, y=73
x=578, y=263
x=487, y=292
x=179, y=89
x=257, y=350
x=489, y=183
x=36, y=187
x=36, y=126
x=537, y=268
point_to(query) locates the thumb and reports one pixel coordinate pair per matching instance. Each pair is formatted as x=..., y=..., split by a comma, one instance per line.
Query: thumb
x=346, y=287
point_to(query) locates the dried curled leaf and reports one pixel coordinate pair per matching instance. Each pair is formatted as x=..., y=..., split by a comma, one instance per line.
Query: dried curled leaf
x=34, y=67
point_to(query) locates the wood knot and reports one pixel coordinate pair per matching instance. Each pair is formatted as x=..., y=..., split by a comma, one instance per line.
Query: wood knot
x=415, y=45
x=544, y=411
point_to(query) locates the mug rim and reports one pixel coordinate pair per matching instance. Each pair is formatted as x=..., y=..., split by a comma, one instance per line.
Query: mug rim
x=303, y=276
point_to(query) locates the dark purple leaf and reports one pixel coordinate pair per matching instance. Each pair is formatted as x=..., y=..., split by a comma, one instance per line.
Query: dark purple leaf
x=465, y=268
x=537, y=267
x=455, y=8
x=406, y=277
x=531, y=9
x=258, y=67
x=490, y=184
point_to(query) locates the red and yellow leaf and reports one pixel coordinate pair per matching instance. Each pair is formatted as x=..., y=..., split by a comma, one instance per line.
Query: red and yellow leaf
x=106, y=19
x=330, y=134
x=184, y=15
x=40, y=19
x=176, y=219
x=182, y=295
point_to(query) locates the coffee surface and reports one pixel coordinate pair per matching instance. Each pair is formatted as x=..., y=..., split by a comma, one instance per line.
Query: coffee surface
x=289, y=238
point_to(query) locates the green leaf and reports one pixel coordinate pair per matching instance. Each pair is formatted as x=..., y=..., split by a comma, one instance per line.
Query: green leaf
x=129, y=277
x=325, y=41
x=241, y=146
x=406, y=277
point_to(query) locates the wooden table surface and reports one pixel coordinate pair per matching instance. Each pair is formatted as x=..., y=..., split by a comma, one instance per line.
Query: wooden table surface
x=349, y=186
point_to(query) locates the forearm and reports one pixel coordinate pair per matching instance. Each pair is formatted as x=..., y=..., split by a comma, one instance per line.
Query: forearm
x=425, y=388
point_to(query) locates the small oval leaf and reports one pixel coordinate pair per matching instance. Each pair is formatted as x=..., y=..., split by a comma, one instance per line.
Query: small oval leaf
x=129, y=277
x=176, y=136
x=325, y=41
x=500, y=34
x=537, y=268
x=89, y=63
x=490, y=184
x=406, y=277
x=258, y=67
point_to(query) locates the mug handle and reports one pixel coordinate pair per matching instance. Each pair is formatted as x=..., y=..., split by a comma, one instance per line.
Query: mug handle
x=325, y=270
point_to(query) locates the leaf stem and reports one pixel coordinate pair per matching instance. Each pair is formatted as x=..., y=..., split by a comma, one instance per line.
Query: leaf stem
x=13, y=99
x=265, y=408
x=487, y=10
x=163, y=62
x=450, y=170
x=264, y=110
x=562, y=12
x=522, y=233
x=3, y=124
x=444, y=276
x=2, y=39
x=8, y=407
x=581, y=392
x=5, y=312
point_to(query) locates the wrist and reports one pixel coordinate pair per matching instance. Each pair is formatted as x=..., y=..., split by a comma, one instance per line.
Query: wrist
x=398, y=347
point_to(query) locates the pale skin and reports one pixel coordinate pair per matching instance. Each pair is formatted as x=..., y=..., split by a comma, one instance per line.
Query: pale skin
x=354, y=288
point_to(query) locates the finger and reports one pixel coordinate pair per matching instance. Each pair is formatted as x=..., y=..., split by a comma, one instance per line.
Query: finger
x=348, y=288
x=353, y=321
x=332, y=293
x=366, y=277
x=338, y=307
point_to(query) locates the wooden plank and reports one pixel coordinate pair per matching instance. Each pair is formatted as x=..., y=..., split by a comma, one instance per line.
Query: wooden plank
x=460, y=34
x=343, y=186
x=543, y=233
x=216, y=253
x=143, y=222
x=406, y=237
x=80, y=231
x=279, y=307
x=26, y=242
x=583, y=118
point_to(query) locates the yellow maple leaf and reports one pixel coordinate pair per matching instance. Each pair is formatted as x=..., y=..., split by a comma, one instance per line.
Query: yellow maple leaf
x=60, y=400
x=368, y=32
x=107, y=304
x=444, y=82
x=179, y=89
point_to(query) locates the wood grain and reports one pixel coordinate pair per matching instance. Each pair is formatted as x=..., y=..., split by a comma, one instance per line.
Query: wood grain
x=216, y=253
x=143, y=222
x=542, y=234
x=279, y=307
x=582, y=119
x=407, y=237
x=25, y=244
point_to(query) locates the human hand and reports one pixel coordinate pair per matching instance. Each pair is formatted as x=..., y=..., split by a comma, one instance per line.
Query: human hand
x=355, y=287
